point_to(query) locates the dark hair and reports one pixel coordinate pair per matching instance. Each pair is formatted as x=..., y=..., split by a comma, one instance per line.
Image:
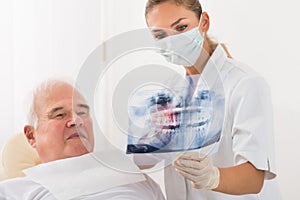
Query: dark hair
x=193, y=5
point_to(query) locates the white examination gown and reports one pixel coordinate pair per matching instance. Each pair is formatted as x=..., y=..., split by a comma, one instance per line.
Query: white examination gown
x=81, y=177
x=26, y=189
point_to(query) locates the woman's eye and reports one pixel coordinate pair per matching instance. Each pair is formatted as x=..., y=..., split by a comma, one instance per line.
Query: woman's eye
x=160, y=36
x=181, y=28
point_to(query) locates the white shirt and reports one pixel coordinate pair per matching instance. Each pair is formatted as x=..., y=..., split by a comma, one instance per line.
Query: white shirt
x=26, y=189
x=247, y=134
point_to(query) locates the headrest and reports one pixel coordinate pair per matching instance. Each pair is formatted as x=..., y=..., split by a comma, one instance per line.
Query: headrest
x=16, y=155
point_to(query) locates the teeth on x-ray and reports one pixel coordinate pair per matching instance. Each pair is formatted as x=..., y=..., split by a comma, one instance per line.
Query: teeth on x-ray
x=173, y=124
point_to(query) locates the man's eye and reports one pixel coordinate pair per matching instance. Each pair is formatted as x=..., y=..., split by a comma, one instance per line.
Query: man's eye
x=60, y=115
x=82, y=113
x=181, y=28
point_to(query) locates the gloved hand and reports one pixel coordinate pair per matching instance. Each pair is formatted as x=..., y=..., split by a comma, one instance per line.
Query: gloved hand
x=199, y=170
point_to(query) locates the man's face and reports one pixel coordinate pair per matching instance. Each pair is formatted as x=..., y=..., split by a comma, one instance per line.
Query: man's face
x=64, y=125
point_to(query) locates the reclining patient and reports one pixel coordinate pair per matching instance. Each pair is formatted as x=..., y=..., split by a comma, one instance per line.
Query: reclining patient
x=61, y=130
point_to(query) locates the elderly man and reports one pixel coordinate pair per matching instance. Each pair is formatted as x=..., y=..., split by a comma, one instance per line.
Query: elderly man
x=61, y=130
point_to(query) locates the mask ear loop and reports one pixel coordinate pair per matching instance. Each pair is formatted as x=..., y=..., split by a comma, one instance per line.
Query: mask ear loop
x=203, y=34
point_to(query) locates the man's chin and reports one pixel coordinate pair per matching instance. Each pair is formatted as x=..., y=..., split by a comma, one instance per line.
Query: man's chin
x=78, y=151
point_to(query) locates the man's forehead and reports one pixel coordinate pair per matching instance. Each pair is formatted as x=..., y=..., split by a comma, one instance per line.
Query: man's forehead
x=67, y=103
x=59, y=97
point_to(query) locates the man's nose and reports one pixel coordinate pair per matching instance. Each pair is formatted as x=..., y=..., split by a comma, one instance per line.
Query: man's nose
x=74, y=120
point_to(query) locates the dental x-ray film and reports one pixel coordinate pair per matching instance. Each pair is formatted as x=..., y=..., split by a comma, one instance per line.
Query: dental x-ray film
x=185, y=117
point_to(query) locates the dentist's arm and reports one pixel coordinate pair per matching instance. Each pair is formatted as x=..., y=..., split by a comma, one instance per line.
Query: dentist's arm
x=237, y=180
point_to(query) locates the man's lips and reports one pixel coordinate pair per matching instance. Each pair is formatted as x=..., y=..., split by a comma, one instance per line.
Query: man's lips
x=76, y=136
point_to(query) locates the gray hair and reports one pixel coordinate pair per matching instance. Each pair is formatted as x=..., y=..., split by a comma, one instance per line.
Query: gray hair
x=42, y=92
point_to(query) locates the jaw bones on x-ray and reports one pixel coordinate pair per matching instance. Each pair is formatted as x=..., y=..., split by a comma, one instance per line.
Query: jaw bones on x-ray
x=170, y=120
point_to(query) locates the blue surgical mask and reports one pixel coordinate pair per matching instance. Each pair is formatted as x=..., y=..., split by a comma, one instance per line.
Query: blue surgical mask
x=182, y=49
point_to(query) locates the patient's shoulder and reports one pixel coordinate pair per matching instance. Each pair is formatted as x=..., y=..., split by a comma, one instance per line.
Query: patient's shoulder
x=16, y=181
x=23, y=188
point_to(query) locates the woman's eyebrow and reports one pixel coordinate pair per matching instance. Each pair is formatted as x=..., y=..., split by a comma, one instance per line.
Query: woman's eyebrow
x=177, y=21
x=158, y=31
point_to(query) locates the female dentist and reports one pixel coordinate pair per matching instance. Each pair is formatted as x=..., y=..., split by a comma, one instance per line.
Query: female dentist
x=244, y=164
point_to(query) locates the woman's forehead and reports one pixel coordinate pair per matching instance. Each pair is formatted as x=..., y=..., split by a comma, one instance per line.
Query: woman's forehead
x=165, y=14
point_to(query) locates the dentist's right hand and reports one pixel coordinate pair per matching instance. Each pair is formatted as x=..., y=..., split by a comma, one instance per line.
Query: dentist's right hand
x=199, y=170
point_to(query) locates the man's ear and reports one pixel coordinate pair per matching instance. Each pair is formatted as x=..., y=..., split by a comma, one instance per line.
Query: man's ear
x=29, y=132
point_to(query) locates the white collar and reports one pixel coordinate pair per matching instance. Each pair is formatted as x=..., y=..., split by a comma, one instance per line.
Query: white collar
x=83, y=175
x=211, y=72
x=218, y=57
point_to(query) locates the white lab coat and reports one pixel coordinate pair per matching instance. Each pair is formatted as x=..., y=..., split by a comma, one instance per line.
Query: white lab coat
x=247, y=133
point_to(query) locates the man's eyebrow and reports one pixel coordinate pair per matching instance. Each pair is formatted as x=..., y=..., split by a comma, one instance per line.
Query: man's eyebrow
x=56, y=109
x=177, y=21
x=83, y=106
x=53, y=110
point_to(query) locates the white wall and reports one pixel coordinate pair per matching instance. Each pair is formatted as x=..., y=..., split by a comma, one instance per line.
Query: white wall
x=6, y=63
x=43, y=38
